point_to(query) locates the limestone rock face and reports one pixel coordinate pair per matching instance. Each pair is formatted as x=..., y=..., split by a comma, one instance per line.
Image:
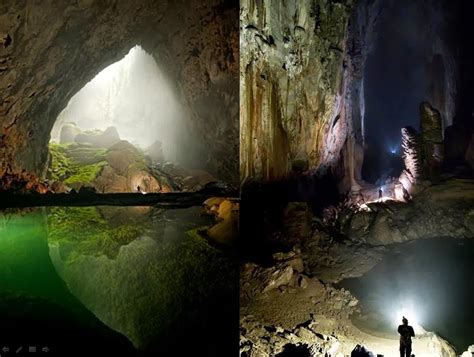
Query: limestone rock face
x=432, y=139
x=301, y=85
x=290, y=75
x=45, y=59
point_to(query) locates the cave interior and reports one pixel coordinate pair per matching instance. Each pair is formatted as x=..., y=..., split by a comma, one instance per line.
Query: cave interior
x=118, y=177
x=371, y=195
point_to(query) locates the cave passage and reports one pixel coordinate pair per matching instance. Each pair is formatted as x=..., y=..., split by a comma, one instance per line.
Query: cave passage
x=428, y=280
x=395, y=83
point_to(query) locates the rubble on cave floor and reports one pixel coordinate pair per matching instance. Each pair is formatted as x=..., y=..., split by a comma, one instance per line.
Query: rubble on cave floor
x=283, y=308
x=294, y=302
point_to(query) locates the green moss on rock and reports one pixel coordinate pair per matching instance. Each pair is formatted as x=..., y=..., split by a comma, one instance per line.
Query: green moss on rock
x=89, y=232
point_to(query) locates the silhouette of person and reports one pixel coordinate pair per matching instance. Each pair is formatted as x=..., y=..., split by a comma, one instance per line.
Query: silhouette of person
x=406, y=333
x=139, y=189
x=380, y=192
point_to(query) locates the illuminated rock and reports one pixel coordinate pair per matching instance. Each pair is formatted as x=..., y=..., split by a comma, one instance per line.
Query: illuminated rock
x=226, y=230
x=442, y=210
x=412, y=157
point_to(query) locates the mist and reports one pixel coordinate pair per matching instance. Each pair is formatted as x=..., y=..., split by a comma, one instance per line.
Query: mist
x=134, y=96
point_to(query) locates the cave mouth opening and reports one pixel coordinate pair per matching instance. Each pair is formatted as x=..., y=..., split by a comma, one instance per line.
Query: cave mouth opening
x=396, y=80
x=429, y=282
x=121, y=132
x=133, y=96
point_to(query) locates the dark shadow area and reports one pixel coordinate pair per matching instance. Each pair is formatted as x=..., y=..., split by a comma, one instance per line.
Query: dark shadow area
x=262, y=206
x=291, y=350
x=395, y=84
x=123, y=281
x=88, y=197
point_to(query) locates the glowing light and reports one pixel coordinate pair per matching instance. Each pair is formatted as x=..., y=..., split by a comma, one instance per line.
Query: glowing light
x=411, y=314
x=393, y=151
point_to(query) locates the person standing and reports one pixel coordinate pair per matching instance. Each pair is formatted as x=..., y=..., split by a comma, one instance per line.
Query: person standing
x=406, y=333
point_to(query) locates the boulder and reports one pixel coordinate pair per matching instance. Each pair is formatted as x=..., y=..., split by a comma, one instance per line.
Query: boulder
x=109, y=181
x=279, y=278
x=196, y=179
x=226, y=231
x=121, y=156
x=211, y=205
x=68, y=133
x=98, y=138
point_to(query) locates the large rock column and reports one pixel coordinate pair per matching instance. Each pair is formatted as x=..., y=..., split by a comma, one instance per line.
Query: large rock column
x=432, y=140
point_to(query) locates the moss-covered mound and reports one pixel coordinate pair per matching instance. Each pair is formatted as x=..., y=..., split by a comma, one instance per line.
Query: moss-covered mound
x=119, y=168
x=76, y=165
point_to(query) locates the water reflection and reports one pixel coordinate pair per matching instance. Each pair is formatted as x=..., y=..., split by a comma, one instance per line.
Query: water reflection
x=143, y=272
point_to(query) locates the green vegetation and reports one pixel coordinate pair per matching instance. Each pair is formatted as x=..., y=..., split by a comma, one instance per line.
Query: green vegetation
x=89, y=232
x=61, y=163
x=76, y=164
x=84, y=175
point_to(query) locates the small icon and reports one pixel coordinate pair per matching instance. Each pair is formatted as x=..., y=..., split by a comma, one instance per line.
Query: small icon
x=45, y=349
x=19, y=349
x=5, y=349
x=32, y=349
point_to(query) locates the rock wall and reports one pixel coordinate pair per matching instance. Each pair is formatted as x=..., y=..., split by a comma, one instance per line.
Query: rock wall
x=301, y=86
x=50, y=49
x=290, y=85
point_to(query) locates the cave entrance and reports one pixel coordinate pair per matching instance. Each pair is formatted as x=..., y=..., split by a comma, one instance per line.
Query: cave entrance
x=120, y=132
x=398, y=76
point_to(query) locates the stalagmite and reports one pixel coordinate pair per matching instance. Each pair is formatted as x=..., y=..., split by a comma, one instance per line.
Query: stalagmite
x=411, y=157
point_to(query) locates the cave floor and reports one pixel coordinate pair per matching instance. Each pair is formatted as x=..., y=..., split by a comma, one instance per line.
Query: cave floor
x=298, y=299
